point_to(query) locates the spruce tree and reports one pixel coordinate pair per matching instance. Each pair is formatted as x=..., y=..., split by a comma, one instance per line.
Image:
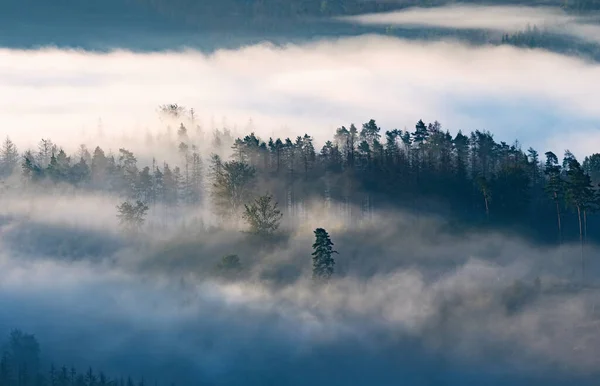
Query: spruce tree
x=323, y=261
x=9, y=157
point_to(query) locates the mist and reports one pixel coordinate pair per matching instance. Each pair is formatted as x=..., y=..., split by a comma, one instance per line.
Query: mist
x=410, y=302
x=449, y=265
x=293, y=88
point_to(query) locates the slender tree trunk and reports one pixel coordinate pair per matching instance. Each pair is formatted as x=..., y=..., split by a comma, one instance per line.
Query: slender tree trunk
x=585, y=226
x=558, y=220
x=487, y=208
x=581, y=243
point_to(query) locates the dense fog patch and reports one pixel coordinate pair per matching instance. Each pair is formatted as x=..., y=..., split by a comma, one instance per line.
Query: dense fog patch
x=289, y=88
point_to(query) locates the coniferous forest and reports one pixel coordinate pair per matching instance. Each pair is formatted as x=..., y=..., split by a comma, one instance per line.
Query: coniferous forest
x=468, y=177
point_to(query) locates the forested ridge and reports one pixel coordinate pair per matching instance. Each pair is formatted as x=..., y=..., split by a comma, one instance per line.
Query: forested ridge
x=469, y=178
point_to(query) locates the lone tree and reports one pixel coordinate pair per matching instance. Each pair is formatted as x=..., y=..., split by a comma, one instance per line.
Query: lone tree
x=322, y=256
x=132, y=217
x=263, y=216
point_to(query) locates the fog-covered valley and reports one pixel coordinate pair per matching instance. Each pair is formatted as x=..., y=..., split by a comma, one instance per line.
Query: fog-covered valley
x=293, y=193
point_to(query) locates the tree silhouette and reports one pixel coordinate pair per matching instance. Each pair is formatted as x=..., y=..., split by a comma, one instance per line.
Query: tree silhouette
x=263, y=216
x=322, y=257
x=580, y=195
x=132, y=216
x=555, y=186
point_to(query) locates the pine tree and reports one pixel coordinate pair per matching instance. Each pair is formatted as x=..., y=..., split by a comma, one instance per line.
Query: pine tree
x=323, y=262
x=555, y=186
x=579, y=194
x=99, y=169
x=31, y=170
x=370, y=132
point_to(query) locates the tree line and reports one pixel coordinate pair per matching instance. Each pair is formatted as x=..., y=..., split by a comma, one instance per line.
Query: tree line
x=469, y=178
x=21, y=365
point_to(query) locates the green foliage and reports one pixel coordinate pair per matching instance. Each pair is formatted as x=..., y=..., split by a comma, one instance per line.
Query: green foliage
x=322, y=257
x=263, y=216
x=591, y=166
x=579, y=192
x=470, y=177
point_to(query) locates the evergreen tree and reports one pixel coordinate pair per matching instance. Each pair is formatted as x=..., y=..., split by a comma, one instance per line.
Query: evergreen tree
x=80, y=172
x=370, y=132
x=99, y=169
x=308, y=153
x=31, y=170
x=579, y=194
x=9, y=157
x=322, y=257
x=555, y=186
x=591, y=165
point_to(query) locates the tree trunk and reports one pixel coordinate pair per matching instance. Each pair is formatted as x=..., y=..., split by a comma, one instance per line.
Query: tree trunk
x=558, y=219
x=487, y=208
x=585, y=226
x=581, y=243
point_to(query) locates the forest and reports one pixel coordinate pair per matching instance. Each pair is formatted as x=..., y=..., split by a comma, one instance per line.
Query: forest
x=469, y=178
x=21, y=365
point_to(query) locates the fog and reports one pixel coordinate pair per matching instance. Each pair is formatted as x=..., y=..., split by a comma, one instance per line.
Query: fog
x=417, y=297
x=411, y=301
x=497, y=18
x=293, y=89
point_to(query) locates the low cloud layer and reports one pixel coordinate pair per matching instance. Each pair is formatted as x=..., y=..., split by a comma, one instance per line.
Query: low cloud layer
x=412, y=303
x=314, y=88
x=501, y=18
